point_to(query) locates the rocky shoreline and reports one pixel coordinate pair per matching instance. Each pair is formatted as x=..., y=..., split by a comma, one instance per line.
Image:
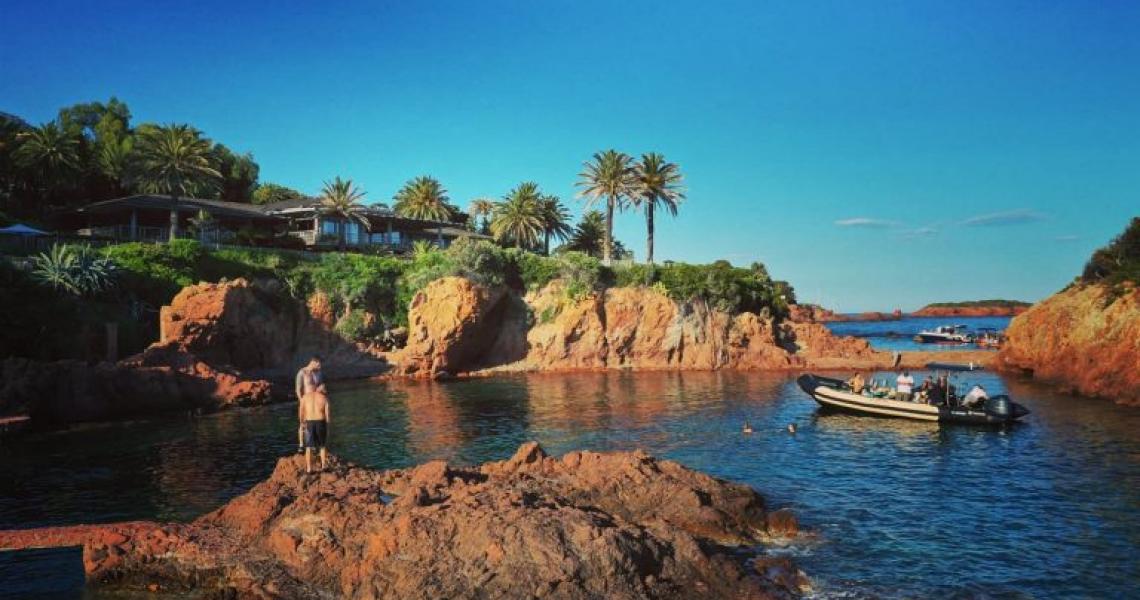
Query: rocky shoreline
x=235, y=343
x=587, y=525
x=1085, y=339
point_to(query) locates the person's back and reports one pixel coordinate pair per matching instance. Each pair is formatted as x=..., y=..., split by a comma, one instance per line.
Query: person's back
x=315, y=421
x=904, y=386
x=857, y=384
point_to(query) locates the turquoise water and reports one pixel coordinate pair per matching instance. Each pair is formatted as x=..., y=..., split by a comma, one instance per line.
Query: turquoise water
x=899, y=335
x=1049, y=509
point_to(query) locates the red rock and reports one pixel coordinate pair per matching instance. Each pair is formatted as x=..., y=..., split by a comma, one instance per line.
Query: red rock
x=1085, y=338
x=617, y=525
x=970, y=311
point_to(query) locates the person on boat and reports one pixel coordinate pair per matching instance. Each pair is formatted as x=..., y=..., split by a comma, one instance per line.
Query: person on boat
x=904, y=387
x=975, y=396
x=927, y=389
x=307, y=380
x=314, y=415
x=857, y=384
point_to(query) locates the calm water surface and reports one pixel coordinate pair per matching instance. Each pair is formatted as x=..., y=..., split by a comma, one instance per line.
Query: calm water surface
x=899, y=335
x=1050, y=509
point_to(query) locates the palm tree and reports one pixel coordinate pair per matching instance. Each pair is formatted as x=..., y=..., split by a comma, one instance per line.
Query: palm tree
x=519, y=218
x=555, y=221
x=342, y=198
x=425, y=199
x=608, y=175
x=49, y=151
x=656, y=181
x=174, y=160
x=482, y=207
x=588, y=235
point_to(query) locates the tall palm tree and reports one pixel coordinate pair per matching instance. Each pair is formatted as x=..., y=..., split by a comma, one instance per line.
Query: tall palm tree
x=555, y=221
x=424, y=198
x=656, y=182
x=342, y=198
x=174, y=160
x=49, y=151
x=519, y=218
x=482, y=207
x=607, y=175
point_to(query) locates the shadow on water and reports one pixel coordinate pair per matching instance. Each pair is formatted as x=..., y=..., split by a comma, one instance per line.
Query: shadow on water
x=902, y=509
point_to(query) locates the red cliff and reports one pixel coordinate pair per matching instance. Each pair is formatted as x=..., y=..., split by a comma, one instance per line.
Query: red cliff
x=588, y=525
x=1085, y=338
x=457, y=326
x=971, y=311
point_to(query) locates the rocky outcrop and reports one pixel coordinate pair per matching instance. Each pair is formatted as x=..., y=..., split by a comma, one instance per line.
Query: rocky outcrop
x=588, y=525
x=222, y=344
x=972, y=310
x=260, y=331
x=457, y=326
x=642, y=328
x=1085, y=338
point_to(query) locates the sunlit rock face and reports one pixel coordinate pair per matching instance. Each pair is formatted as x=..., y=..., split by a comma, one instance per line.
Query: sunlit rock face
x=1085, y=338
x=458, y=326
x=587, y=525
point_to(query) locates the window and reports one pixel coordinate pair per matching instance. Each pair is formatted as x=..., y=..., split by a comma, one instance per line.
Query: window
x=329, y=227
x=352, y=233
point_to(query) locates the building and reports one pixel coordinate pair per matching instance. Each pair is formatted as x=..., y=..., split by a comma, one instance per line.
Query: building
x=385, y=228
x=146, y=217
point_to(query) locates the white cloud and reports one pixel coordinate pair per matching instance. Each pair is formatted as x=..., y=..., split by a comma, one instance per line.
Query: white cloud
x=1001, y=219
x=866, y=222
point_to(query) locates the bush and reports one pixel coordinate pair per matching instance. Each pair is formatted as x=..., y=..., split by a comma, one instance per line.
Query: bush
x=1117, y=262
x=581, y=272
x=355, y=326
x=75, y=269
x=480, y=261
x=534, y=271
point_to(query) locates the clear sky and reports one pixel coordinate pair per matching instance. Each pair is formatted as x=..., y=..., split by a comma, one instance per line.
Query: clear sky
x=875, y=154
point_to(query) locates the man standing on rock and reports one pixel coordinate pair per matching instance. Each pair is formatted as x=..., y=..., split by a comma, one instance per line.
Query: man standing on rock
x=307, y=380
x=315, y=425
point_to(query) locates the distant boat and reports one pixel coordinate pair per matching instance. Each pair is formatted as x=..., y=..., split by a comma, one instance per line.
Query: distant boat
x=835, y=394
x=945, y=334
x=989, y=338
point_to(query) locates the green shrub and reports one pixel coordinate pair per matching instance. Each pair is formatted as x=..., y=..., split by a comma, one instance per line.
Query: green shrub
x=534, y=271
x=354, y=326
x=581, y=272
x=1117, y=262
x=74, y=269
x=480, y=261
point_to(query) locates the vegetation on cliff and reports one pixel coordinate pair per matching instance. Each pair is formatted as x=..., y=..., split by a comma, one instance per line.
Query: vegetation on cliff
x=978, y=304
x=1117, y=262
x=368, y=295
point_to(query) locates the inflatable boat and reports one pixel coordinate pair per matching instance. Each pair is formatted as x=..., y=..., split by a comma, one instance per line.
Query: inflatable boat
x=835, y=394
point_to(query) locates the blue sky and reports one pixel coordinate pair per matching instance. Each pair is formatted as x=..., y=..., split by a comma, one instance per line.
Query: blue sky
x=876, y=154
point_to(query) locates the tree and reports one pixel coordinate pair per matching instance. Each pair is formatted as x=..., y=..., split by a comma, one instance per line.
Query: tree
x=342, y=198
x=656, y=182
x=268, y=193
x=239, y=174
x=555, y=221
x=482, y=207
x=174, y=160
x=425, y=199
x=50, y=153
x=518, y=219
x=607, y=175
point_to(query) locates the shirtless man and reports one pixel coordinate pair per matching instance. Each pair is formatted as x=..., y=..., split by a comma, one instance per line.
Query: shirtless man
x=313, y=412
x=308, y=378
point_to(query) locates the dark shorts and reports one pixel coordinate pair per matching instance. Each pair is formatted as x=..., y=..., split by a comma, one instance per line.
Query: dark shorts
x=316, y=433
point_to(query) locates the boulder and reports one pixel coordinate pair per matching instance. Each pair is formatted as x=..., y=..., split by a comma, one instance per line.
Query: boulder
x=1085, y=339
x=588, y=525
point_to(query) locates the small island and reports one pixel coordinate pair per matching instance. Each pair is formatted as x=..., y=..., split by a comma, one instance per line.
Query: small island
x=973, y=308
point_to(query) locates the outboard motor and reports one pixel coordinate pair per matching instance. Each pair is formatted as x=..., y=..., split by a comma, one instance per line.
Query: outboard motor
x=999, y=406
